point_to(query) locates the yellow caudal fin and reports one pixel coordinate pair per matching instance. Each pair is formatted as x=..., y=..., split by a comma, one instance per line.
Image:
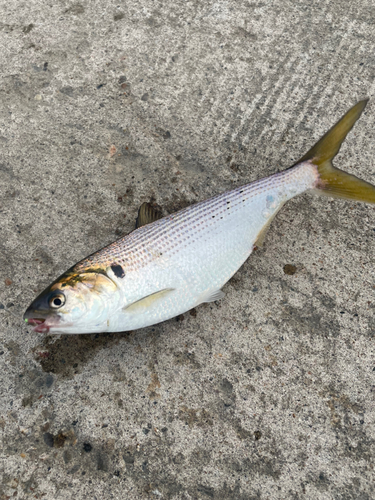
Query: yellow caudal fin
x=332, y=181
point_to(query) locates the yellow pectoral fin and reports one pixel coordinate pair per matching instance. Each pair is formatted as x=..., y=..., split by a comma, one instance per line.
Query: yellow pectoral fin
x=146, y=302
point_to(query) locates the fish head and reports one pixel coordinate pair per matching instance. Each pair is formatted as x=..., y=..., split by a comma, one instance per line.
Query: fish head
x=77, y=302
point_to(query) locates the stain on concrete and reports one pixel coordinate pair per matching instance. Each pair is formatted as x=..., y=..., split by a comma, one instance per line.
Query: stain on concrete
x=195, y=416
x=290, y=269
x=187, y=358
x=67, y=355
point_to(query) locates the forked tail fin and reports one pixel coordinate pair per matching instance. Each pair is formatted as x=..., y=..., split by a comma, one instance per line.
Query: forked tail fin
x=332, y=181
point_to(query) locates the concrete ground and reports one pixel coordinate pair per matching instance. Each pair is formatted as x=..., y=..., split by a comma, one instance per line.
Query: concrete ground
x=267, y=394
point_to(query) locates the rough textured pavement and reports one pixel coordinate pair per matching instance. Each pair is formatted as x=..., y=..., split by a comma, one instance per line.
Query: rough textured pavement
x=268, y=394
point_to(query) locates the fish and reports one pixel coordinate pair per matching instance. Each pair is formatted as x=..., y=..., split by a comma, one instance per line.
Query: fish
x=169, y=265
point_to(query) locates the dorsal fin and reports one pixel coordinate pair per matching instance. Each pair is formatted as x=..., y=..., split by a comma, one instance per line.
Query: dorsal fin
x=146, y=215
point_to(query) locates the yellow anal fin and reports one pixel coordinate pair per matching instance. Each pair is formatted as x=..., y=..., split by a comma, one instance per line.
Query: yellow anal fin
x=332, y=181
x=146, y=215
x=262, y=233
x=146, y=302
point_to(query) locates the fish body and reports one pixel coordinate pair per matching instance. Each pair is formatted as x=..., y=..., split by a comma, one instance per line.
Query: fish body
x=173, y=264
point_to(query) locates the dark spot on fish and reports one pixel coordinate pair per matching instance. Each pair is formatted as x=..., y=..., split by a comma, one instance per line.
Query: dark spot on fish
x=228, y=202
x=290, y=269
x=64, y=284
x=118, y=270
x=241, y=192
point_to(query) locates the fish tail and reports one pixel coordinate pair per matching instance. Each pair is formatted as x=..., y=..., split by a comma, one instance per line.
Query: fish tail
x=332, y=181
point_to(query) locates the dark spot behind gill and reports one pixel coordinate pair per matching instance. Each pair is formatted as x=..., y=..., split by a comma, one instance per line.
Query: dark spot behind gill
x=118, y=270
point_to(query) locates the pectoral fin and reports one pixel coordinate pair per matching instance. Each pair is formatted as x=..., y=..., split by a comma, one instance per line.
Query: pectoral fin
x=148, y=301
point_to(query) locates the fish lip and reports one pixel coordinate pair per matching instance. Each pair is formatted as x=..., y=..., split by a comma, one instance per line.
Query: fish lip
x=41, y=328
x=41, y=325
x=40, y=320
x=38, y=324
x=35, y=321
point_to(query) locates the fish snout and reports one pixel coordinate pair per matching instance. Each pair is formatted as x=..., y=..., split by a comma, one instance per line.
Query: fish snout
x=40, y=320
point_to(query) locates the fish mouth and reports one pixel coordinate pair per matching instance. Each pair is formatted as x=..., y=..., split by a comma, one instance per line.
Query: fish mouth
x=38, y=324
x=35, y=321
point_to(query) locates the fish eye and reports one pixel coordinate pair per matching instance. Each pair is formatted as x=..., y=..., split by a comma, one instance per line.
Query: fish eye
x=57, y=301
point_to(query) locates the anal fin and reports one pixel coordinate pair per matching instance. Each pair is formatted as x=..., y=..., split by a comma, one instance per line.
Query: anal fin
x=262, y=233
x=216, y=295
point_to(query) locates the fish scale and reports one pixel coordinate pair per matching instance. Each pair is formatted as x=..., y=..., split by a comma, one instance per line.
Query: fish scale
x=171, y=265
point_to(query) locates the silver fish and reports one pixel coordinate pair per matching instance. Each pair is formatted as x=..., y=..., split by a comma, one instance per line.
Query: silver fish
x=168, y=266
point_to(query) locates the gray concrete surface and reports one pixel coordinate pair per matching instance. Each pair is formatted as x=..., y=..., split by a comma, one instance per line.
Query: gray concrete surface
x=268, y=394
